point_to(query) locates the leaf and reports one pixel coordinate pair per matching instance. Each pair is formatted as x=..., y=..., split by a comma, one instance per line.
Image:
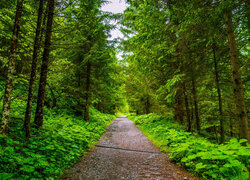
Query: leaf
x=75, y=146
x=243, y=140
x=233, y=140
x=200, y=166
x=27, y=168
x=228, y=165
x=5, y=176
x=10, y=149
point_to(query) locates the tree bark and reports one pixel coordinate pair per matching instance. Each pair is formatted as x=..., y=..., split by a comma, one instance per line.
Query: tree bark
x=43, y=27
x=231, y=126
x=86, y=113
x=222, y=136
x=238, y=88
x=36, y=49
x=45, y=64
x=79, y=87
x=147, y=105
x=196, y=109
x=216, y=134
x=187, y=107
x=186, y=101
x=11, y=70
x=54, y=101
x=192, y=109
x=179, y=104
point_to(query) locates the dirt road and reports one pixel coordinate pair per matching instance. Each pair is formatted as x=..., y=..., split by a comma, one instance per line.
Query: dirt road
x=125, y=153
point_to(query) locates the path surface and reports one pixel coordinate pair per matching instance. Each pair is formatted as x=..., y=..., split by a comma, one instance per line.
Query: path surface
x=133, y=157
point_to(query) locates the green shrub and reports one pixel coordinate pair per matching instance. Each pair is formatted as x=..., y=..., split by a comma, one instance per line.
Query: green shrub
x=59, y=144
x=211, y=161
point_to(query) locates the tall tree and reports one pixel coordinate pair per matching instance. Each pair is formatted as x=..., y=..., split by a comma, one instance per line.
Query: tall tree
x=11, y=69
x=179, y=103
x=45, y=64
x=238, y=88
x=196, y=109
x=222, y=134
x=37, y=44
x=88, y=75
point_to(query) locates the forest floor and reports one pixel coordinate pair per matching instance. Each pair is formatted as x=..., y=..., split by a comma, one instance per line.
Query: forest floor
x=125, y=153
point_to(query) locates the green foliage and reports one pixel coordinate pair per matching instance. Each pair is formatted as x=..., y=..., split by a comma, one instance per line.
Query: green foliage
x=211, y=161
x=170, y=88
x=58, y=145
x=171, y=44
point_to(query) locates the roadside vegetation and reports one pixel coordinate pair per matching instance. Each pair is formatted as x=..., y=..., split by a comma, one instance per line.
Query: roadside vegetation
x=197, y=154
x=63, y=139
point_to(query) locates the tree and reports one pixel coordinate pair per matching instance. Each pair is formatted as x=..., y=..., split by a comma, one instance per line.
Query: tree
x=45, y=64
x=88, y=75
x=238, y=87
x=11, y=69
x=37, y=44
x=222, y=134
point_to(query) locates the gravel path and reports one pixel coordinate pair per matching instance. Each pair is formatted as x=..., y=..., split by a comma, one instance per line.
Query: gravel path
x=125, y=153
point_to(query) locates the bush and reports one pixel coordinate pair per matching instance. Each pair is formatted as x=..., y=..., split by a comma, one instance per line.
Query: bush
x=197, y=154
x=58, y=145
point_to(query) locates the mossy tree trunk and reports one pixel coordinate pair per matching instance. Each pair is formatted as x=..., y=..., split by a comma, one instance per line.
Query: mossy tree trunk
x=11, y=70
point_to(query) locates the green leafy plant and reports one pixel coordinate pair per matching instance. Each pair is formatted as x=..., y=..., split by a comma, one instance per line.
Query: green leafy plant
x=59, y=144
x=197, y=154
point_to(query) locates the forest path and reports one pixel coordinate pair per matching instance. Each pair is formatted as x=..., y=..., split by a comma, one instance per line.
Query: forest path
x=125, y=153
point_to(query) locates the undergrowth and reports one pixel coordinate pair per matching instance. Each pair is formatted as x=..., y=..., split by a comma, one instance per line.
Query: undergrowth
x=211, y=161
x=58, y=145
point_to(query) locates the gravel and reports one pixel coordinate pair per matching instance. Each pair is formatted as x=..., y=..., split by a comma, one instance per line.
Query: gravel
x=125, y=153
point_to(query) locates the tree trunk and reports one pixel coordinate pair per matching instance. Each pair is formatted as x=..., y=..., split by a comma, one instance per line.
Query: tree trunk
x=231, y=126
x=186, y=101
x=54, y=101
x=238, y=88
x=11, y=70
x=179, y=105
x=45, y=63
x=43, y=27
x=192, y=109
x=216, y=134
x=147, y=105
x=37, y=44
x=79, y=87
x=187, y=107
x=196, y=109
x=86, y=113
x=222, y=136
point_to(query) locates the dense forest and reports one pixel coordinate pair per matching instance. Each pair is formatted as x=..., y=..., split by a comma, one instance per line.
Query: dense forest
x=183, y=56
x=62, y=81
